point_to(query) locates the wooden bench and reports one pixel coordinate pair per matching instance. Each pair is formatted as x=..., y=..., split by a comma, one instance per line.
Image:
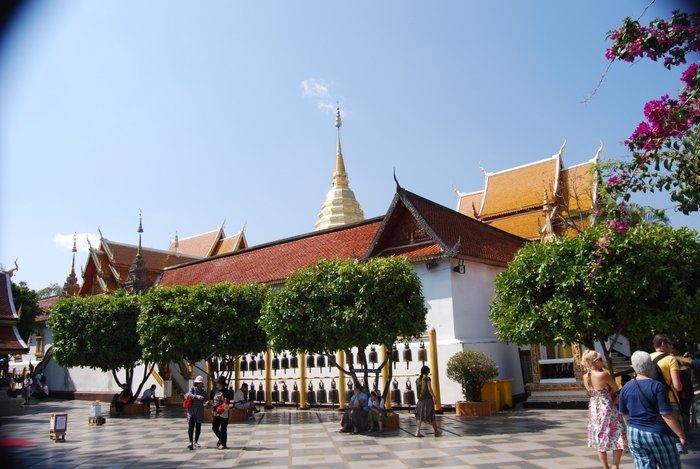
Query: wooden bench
x=129, y=409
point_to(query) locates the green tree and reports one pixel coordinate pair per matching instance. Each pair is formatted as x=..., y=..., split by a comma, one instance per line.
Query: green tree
x=99, y=332
x=339, y=304
x=27, y=307
x=52, y=289
x=648, y=282
x=193, y=323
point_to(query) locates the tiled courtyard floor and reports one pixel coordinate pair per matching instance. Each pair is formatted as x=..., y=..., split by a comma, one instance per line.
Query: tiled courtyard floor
x=284, y=438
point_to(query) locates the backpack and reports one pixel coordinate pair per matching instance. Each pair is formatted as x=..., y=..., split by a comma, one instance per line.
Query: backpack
x=656, y=373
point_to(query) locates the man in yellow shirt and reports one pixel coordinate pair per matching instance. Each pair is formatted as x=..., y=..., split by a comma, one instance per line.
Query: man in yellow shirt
x=670, y=369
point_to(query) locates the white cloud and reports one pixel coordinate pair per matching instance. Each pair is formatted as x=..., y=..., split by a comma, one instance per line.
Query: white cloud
x=326, y=106
x=65, y=241
x=315, y=88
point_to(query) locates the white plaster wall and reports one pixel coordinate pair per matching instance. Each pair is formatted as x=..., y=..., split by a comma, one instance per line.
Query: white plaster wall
x=437, y=290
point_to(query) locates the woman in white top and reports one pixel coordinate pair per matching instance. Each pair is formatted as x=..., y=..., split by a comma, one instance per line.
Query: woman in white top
x=377, y=412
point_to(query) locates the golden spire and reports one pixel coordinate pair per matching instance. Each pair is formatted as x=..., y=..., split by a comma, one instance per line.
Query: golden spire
x=340, y=207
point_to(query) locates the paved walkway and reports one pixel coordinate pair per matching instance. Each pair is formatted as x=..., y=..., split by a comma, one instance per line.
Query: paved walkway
x=284, y=438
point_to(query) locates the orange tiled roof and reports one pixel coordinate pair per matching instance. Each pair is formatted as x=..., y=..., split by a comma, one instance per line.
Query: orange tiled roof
x=201, y=245
x=526, y=225
x=123, y=254
x=520, y=188
x=230, y=244
x=10, y=341
x=577, y=187
x=470, y=204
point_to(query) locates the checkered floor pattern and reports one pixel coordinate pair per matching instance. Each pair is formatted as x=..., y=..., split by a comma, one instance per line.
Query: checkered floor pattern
x=289, y=438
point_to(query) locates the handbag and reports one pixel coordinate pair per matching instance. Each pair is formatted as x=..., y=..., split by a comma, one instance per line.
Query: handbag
x=220, y=409
x=187, y=403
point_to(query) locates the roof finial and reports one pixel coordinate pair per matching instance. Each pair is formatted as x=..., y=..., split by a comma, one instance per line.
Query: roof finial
x=140, y=231
x=398, y=186
x=72, y=267
x=87, y=237
x=598, y=152
x=176, y=242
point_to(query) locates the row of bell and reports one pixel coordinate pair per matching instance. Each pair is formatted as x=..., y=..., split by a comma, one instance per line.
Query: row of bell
x=320, y=396
x=319, y=361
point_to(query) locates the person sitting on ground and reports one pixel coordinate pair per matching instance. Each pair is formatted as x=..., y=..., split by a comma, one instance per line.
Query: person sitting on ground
x=42, y=389
x=240, y=400
x=377, y=412
x=355, y=418
x=651, y=423
x=148, y=396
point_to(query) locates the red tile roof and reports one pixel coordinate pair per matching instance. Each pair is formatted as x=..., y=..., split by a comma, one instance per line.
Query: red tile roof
x=45, y=304
x=10, y=341
x=200, y=245
x=274, y=261
x=456, y=234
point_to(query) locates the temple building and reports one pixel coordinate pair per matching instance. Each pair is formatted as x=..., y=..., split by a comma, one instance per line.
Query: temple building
x=537, y=200
x=11, y=342
x=112, y=265
x=540, y=201
x=340, y=207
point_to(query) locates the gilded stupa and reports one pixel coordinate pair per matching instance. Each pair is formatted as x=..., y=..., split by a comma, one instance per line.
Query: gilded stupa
x=340, y=207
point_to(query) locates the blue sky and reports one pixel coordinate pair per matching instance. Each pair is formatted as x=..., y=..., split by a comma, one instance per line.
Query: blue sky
x=197, y=113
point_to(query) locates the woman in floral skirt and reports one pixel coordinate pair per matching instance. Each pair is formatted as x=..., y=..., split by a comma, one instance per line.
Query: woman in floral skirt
x=606, y=429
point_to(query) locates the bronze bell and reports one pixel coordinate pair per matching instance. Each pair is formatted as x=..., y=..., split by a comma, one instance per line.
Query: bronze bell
x=349, y=392
x=294, y=361
x=321, y=361
x=295, y=394
x=275, y=363
x=243, y=364
x=321, y=394
x=261, y=393
x=333, y=393
x=285, y=362
x=310, y=362
x=396, y=393
x=422, y=353
x=275, y=393
x=252, y=364
x=310, y=394
x=251, y=392
x=394, y=355
x=407, y=354
x=261, y=364
x=373, y=356
x=409, y=397
x=285, y=393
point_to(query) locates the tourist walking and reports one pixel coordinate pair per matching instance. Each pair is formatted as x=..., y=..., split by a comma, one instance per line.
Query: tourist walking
x=195, y=412
x=27, y=387
x=651, y=425
x=606, y=428
x=221, y=403
x=425, y=408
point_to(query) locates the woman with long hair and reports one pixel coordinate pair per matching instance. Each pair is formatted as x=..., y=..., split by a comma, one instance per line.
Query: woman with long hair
x=425, y=408
x=606, y=429
x=221, y=403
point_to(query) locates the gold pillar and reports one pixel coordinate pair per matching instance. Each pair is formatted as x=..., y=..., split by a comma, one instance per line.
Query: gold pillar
x=434, y=369
x=302, y=382
x=268, y=378
x=237, y=373
x=385, y=375
x=209, y=378
x=341, y=379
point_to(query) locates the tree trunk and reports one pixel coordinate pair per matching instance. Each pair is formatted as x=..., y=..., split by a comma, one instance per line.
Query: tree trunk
x=607, y=356
x=146, y=373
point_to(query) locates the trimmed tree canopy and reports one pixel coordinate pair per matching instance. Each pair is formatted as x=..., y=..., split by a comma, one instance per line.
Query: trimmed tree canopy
x=97, y=332
x=178, y=323
x=339, y=304
x=648, y=282
x=471, y=369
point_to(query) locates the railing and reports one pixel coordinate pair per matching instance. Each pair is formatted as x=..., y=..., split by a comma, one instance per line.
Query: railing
x=557, y=370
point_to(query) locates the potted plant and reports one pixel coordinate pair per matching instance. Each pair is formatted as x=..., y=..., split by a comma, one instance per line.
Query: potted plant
x=472, y=370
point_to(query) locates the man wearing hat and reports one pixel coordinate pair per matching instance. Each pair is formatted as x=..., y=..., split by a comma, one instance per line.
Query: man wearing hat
x=195, y=413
